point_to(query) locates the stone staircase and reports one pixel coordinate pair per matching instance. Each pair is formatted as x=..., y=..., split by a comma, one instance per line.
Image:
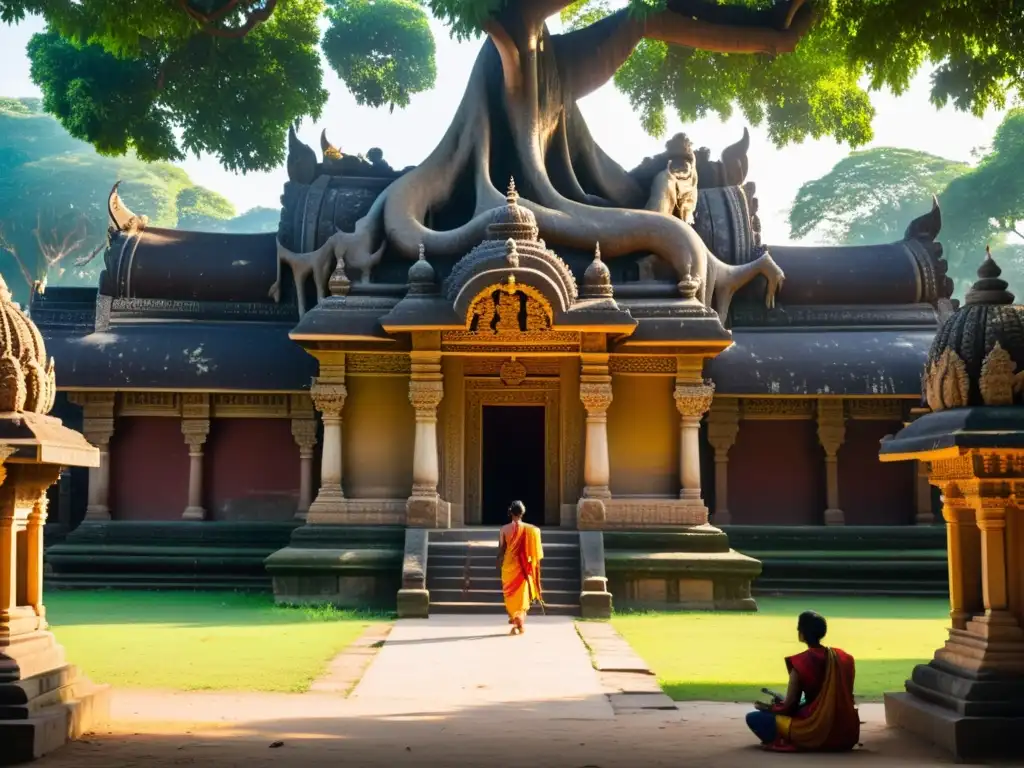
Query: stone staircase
x=462, y=576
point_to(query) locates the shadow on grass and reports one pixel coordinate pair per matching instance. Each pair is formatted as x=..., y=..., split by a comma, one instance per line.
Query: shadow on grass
x=188, y=609
x=874, y=677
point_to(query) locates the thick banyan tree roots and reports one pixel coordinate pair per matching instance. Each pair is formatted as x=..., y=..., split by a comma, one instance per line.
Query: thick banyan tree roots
x=578, y=194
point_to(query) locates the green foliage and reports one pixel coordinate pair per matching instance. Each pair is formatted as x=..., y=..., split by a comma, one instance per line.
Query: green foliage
x=228, y=76
x=125, y=80
x=199, y=207
x=870, y=197
x=257, y=219
x=382, y=49
x=988, y=201
x=53, y=200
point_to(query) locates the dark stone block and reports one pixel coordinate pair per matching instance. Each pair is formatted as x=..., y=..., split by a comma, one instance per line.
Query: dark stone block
x=966, y=738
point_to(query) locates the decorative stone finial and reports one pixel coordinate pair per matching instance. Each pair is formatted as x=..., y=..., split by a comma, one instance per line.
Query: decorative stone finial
x=421, y=274
x=512, y=221
x=990, y=288
x=978, y=351
x=511, y=253
x=689, y=286
x=597, y=280
x=27, y=382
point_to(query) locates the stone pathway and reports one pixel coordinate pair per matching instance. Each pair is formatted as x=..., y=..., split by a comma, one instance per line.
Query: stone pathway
x=450, y=663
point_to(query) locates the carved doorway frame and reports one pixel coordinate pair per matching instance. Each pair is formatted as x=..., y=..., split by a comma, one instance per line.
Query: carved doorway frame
x=481, y=392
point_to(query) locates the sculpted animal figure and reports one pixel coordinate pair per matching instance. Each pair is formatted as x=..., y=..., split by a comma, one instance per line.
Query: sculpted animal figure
x=320, y=263
x=674, y=192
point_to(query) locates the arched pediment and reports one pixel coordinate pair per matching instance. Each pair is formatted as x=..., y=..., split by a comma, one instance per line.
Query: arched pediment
x=510, y=301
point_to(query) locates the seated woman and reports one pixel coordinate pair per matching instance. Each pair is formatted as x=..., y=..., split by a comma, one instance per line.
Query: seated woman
x=826, y=720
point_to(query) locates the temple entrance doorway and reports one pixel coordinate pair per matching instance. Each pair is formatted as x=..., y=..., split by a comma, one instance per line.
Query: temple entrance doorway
x=513, y=462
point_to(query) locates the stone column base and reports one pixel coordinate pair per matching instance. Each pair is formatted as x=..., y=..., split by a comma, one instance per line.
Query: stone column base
x=428, y=512
x=834, y=517
x=43, y=710
x=413, y=604
x=988, y=645
x=193, y=513
x=590, y=514
x=595, y=599
x=971, y=719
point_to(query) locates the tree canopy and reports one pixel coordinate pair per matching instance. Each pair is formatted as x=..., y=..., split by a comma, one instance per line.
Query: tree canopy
x=53, y=200
x=227, y=77
x=870, y=197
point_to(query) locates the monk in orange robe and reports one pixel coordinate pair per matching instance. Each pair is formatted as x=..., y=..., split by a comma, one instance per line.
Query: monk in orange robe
x=818, y=713
x=519, y=556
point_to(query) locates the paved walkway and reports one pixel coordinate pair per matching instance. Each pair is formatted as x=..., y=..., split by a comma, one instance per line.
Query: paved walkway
x=458, y=691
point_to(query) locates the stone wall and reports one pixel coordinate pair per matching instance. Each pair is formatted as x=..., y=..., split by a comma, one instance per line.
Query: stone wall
x=377, y=438
x=149, y=469
x=643, y=437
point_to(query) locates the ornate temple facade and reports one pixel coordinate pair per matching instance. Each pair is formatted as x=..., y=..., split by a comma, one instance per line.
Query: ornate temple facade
x=427, y=397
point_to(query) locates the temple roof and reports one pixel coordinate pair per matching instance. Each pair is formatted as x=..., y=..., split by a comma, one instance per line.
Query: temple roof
x=181, y=356
x=852, y=363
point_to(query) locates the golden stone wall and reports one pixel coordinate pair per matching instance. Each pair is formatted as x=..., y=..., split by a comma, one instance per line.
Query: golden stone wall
x=377, y=438
x=643, y=436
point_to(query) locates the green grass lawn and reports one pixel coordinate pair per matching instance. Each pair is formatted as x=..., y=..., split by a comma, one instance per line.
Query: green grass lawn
x=731, y=656
x=199, y=640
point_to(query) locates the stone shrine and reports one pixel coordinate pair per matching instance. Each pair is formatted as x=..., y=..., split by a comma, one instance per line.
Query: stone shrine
x=44, y=701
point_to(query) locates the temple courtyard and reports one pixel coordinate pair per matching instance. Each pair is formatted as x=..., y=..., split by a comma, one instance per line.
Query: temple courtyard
x=228, y=679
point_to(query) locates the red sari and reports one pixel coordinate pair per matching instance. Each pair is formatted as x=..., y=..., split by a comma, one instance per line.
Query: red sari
x=828, y=721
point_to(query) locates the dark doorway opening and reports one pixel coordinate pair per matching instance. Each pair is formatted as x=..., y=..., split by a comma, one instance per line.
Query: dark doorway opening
x=513, y=462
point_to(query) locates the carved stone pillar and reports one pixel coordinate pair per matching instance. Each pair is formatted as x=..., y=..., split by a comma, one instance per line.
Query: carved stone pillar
x=693, y=398
x=596, y=396
x=98, y=428
x=924, y=514
x=329, y=398
x=831, y=434
x=426, y=390
x=304, y=432
x=723, y=427
x=195, y=431
x=963, y=552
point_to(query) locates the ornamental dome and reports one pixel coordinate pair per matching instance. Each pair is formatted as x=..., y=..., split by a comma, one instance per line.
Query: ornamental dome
x=597, y=280
x=977, y=357
x=512, y=221
x=421, y=274
x=26, y=377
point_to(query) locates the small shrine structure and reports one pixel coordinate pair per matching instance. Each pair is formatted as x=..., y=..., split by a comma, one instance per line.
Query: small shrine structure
x=44, y=701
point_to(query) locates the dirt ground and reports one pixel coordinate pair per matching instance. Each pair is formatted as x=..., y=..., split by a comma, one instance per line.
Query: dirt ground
x=711, y=735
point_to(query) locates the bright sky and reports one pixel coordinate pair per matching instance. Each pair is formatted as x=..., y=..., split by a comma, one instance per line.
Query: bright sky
x=408, y=136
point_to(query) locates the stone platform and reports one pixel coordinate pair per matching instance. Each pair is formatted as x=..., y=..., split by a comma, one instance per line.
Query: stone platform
x=44, y=702
x=690, y=568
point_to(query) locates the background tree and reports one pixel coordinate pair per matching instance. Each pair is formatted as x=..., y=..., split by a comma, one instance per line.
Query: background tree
x=128, y=75
x=870, y=197
x=53, y=198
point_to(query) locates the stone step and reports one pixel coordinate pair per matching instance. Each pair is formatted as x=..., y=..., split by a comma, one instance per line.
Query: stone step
x=552, y=535
x=551, y=609
x=554, y=548
x=557, y=597
x=490, y=571
x=450, y=560
x=494, y=584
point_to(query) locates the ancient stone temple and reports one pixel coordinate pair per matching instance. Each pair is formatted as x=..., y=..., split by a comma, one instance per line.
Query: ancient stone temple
x=291, y=409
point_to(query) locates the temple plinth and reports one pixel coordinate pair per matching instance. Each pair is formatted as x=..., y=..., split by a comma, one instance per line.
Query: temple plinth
x=44, y=701
x=970, y=698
